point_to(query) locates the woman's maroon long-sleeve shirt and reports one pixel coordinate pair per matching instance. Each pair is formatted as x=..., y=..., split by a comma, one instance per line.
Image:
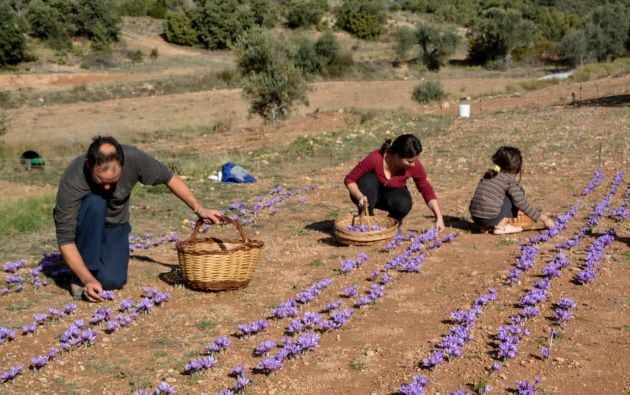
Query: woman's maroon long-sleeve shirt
x=374, y=163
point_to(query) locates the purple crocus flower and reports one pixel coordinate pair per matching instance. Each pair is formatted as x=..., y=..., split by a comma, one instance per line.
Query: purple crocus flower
x=264, y=347
x=525, y=388
x=108, y=295
x=6, y=334
x=416, y=387
x=436, y=358
x=269, y=365
x=29, y=328
x=70, y=309
x=144, y=305
x=544, y=352
x=332, y=306
x=125, y=304
x=350, y=291
x=199, y=364
x=164, y=389
x=11, y=373
x=241, y=383
x=237, y=371
x=39, y=362
x=307, y=341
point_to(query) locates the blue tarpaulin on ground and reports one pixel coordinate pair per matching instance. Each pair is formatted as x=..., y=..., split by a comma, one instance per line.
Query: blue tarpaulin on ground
x=231, y=173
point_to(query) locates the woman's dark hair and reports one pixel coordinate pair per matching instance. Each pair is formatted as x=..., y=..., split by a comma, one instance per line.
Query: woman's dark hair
x=95, y=157
x=509, y=159
x=405, y=146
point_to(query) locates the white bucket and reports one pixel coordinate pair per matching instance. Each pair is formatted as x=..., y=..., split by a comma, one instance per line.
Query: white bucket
x=464, y=110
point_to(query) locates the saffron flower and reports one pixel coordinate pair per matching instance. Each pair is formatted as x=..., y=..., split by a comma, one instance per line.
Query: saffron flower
x=11, y=373
x=164, y=389
x=38, y=362
x=237, y=371
x=264, y=347
x=416, y=387
x=199, y=364
x=108, y=295
x=545, y=352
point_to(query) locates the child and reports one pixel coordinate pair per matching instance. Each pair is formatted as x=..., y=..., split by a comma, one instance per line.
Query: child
x=499, y=196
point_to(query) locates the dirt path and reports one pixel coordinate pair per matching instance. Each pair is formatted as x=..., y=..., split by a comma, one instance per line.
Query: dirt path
x=79, y=121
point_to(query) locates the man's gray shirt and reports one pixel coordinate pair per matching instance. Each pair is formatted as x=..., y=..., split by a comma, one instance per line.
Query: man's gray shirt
x=76, y=183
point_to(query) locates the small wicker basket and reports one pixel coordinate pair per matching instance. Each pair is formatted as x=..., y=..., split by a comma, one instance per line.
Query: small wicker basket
x=348, y=237
x=212, y=264
x=522, y=220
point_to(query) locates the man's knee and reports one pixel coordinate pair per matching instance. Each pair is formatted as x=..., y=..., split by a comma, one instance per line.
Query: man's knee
x=112, y=280
x=93, y=206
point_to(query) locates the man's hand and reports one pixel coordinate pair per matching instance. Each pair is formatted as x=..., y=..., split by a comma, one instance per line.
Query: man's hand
x=92, y=289
x=209, y=214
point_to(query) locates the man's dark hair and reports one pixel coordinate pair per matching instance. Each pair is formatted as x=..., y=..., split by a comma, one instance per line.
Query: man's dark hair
x=95, y=157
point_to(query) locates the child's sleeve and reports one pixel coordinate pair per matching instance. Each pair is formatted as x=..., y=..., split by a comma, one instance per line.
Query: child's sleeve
x=519, y=200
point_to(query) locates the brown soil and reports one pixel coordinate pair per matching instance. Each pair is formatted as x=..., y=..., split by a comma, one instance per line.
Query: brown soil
x=382, y=345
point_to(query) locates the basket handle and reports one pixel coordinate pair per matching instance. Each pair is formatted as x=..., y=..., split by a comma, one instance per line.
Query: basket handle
x=225, y=220
x=364, y=217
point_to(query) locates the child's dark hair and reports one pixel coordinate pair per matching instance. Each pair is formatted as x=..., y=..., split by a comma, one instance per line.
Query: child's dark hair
x=95, y=157
x=509, y=159
x=405, y=146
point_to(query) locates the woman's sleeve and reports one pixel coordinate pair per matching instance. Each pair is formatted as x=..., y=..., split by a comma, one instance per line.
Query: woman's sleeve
x=422, y=183
x=364, y=166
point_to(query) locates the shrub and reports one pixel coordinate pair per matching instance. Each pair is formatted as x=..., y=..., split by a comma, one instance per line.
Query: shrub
x=178, y=30
x=47, y=23
x=219, y=23
x=364, y=19
x=270, y=80
x=405, y=40
x=265, y=12
x=436, y=43
x=573, y=49
x=329, y=56
x=305, y=57
x=305, y=13
x=12, y=41
x=428, y=91
x=98, y=21
x=495, y=35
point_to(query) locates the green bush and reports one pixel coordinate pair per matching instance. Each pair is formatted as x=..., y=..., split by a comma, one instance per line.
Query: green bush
x=219, y=23
x=573, y=49
x=98, y=21
x=437, y=43
x=305, y=13
x=332, y=62
x=47, y=23
x=265, y=12
x=12, y=41
x=497, y=33
x=405, y=40
x=364, y=19
x=428, y=91
x=178, y=29
x=305, y=57
x=270, y=80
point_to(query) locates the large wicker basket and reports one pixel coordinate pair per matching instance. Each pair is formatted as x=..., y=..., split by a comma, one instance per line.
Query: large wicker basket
x=212, y=264
x=523, y=221
x=349, y=237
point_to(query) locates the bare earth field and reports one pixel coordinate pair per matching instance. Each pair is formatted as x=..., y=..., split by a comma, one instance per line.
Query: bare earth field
x=382, y=345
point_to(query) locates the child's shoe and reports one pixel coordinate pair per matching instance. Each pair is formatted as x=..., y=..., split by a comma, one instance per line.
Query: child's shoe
x=507, y=229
